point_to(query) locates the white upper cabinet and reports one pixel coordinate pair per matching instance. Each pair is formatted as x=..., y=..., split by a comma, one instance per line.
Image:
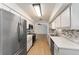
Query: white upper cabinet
x=65, y=18
x=53, y=24
x=75, y=16
x=58, y=22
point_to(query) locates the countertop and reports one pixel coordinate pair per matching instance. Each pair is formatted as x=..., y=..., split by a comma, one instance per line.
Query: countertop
x=62, y=42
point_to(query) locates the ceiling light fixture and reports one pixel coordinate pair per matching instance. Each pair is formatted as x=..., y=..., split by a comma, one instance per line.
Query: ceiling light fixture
x=37, y=8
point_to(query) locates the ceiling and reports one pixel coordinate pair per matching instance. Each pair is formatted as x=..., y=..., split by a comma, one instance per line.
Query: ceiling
x=46, y=8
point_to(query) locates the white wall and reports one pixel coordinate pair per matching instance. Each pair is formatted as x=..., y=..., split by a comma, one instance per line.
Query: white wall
x=41, y=29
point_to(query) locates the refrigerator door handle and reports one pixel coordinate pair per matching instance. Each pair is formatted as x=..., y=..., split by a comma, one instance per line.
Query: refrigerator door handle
x=18, y=30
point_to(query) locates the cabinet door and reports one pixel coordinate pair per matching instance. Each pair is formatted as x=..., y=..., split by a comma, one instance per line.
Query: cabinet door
x=53, y=25
x=75, y=16
x=29, y=42
x=56, y=51
x=68, y=51
x=65, y=18
x=58, y=22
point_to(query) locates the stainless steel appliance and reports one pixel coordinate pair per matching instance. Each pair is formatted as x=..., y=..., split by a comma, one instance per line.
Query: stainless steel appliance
x=12, y=33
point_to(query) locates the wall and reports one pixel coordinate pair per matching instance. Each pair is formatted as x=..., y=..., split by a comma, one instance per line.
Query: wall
x=41, y=29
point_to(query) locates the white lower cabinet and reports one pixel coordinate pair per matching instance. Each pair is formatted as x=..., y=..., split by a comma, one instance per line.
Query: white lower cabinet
x=29, y=42
x=64, y=51
x=63, y=46
x=56, y=49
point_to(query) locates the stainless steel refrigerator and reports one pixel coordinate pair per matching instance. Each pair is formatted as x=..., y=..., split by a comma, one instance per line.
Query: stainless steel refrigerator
x=12, y=34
